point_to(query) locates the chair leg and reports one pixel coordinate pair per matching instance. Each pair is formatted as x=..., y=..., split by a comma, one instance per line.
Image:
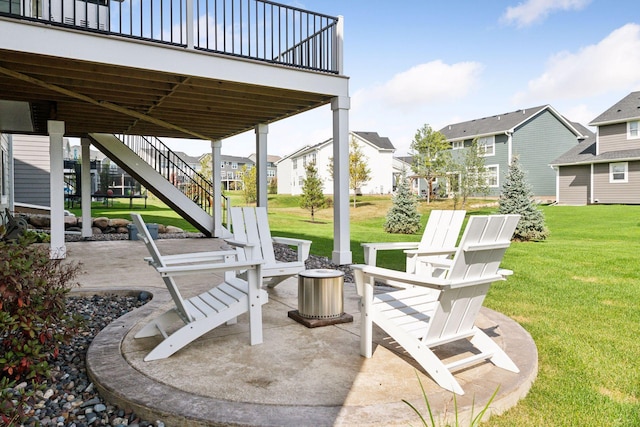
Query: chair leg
x=158, y=325
x=486, y=345
x=255, y=305
x=366, y=322
x=192, y=331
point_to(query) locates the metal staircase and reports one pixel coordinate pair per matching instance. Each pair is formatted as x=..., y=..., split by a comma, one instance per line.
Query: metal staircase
x=164, y=174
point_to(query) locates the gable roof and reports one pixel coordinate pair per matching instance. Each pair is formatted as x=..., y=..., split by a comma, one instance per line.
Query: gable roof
x=628, y=108
x=381, y=142
x=498, y=124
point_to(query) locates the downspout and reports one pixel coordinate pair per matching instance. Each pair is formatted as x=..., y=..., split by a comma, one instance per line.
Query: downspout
x=509, y=134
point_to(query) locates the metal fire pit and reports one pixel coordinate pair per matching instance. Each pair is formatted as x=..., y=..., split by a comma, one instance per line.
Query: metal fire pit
x=320, y=300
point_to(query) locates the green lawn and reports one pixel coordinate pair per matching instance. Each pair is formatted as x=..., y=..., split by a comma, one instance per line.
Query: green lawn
x=578, y=294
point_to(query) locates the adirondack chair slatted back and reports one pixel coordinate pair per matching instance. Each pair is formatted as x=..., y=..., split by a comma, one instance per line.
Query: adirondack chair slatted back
x=252, y=225
x=145, y=236
x=442, y=229
x=481, y=250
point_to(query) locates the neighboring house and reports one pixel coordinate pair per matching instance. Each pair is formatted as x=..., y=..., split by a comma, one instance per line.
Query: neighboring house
x=272, y=169
x=605, y=169
x=231, y=171
x=377, y=151
x=31, y=170
x=537, y=135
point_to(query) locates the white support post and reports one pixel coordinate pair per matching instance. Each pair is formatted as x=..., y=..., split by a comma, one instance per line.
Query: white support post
x=341, y=240
x=216, y=172
x=85, y=180
x=57, y=249
x=261, y=164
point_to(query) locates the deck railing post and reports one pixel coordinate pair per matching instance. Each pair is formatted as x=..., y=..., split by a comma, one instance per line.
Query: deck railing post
x=190, y=24
x=339, y=46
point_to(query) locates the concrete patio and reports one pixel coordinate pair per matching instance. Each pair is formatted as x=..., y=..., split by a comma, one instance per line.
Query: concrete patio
x=297, y=377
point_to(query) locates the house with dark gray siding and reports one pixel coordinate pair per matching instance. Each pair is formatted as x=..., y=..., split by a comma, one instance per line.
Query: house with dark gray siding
x=537, y=135
x=605, y=169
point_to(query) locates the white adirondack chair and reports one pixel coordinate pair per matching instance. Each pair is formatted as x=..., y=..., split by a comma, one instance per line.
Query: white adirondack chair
x=251, y=227
x=223, y=303
x=431, y=311
x=439, y=239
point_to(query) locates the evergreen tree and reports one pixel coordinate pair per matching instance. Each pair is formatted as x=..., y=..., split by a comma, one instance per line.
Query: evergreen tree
x=403, y=217
x=517, y=198
x=312, y=196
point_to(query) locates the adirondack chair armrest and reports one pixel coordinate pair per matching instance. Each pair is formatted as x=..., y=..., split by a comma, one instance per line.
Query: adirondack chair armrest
x=240, y=243
x=364, y=272
x=182, y=270
x=430, y=251
x=193, y=257
x=304, y=246
x=370, y=249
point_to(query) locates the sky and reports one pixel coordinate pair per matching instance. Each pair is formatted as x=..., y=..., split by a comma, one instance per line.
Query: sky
x=417, y=62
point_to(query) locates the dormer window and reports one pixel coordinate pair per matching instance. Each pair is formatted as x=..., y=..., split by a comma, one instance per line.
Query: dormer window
x=633, y=130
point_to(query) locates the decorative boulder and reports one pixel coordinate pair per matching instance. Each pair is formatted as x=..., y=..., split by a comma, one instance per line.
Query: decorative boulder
x=101, y=223
x=119, y=223
x=172, y=229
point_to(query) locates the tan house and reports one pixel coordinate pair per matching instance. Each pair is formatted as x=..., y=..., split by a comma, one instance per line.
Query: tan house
x=605, y=169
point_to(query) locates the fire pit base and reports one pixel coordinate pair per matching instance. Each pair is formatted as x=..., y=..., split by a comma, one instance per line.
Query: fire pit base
x=314, y=323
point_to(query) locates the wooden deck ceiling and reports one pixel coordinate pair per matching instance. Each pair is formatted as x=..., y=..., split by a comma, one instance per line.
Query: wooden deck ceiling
x=98, y=97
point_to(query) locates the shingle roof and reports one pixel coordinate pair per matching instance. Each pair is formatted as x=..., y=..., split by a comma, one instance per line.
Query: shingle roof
x=625, y=109
x=585, y=153
x=381, y=142
x=489, y=125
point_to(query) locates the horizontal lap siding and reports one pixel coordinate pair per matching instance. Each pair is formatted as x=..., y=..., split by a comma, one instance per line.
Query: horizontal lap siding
x=31, y=170
x=537, y=143
x=606, y=192
x=614, y=138
x=574, y=185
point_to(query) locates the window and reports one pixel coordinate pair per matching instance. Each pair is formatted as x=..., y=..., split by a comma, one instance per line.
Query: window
x=492, y=176
x=271, y=173
x=234, y=165
x=633, y=130
x=295, y=163
x=619, y=172
x=300, y=181
x=222, y=165
x=230, y=175
x=223, y=174
x=457, y=145
x=487, y=146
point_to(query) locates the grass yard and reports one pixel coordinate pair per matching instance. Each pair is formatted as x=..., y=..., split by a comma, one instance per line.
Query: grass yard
x=578, y=294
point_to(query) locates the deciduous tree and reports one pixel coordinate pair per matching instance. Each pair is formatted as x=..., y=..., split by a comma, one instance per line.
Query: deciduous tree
x=431, y=155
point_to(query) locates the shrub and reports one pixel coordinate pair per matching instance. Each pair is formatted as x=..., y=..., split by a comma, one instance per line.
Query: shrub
x=403, y=217
x=33, y=322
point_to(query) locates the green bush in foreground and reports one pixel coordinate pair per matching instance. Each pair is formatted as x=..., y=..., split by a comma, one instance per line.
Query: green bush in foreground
x=33, y=321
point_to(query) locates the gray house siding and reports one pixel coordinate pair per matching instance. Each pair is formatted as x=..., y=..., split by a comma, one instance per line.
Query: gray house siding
x=574, y=185
x=535, y=158
x=500, y=158
x=31, y=170
x=607, y=192
x=614, y=138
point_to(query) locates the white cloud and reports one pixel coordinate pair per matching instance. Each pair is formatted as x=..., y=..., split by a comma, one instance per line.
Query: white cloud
x=531, y=11
x=610, y=65
x=424, y=84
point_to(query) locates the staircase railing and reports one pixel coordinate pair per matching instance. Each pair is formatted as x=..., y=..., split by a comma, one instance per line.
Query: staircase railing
x=173, y=168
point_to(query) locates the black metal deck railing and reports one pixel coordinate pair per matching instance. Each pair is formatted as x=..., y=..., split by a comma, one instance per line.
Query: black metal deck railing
x=254, y=29
x=173, y=168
